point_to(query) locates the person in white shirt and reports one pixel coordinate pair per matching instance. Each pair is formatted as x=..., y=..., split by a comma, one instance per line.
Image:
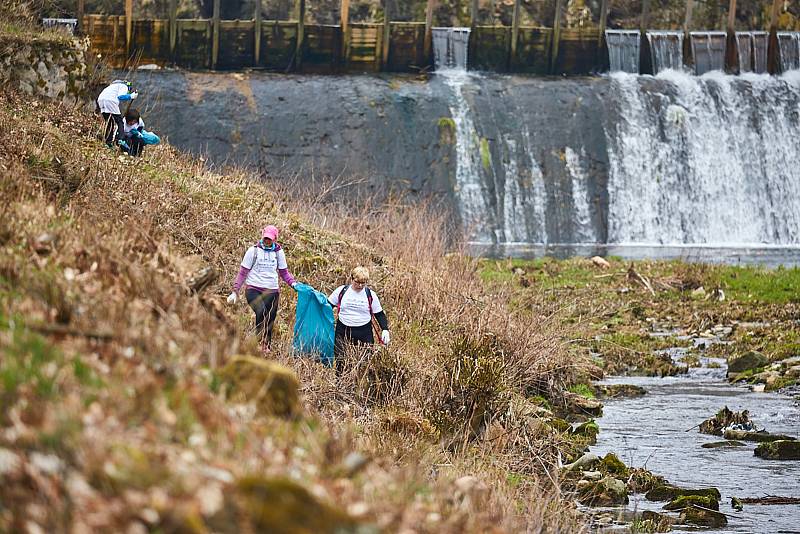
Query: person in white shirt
x=108, y=103
x=357, y=305
x=131, y=141
x=261, y=266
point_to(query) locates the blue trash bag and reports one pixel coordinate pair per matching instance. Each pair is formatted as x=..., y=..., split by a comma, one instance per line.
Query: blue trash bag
x=313, y=324
x=148, y=138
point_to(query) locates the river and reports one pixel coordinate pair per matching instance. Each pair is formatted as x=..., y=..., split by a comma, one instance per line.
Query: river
x=651, y=432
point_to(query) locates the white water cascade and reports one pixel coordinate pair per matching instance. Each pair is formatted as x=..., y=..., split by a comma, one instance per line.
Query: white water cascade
x=623, y=50
x=708, y=50
x=666, y=50
x=789, y=45
x=450, y=47
x=713, y=164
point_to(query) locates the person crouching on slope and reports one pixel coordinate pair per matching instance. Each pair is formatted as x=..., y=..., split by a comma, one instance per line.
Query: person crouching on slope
x=108, y=103
x=357, y=305
x=259, y=271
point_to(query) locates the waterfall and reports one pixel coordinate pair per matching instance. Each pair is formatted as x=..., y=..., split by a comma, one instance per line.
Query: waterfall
x=623, y=50
x=708, y=49
x=789, y=46
x=666, y=50
x=450, y=46
x=752, y=48
x=705, y=161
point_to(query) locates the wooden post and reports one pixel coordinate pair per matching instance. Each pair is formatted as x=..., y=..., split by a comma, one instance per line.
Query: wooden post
x=687, y=23
x=387, y=34
x=688, y=60
x=732, y=16
x=173, y=27
x=81, y=9
x=128, y=26
x=257, y=35
x=512, y=56
x=344, y=22
x=426, y=43
x=773, y=47
x=645, y=20
x=215, y=35
x=556, y=36
x=300, y=10
x=473, y=13
x=601, y=34
x=731, y=47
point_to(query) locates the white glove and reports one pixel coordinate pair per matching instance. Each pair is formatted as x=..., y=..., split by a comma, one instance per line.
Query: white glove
x=294, y=286
x=385, y=337
x=134, y=95
x=233, y=298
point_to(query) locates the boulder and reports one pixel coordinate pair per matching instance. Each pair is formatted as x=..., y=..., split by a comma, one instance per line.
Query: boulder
x=722, y=444
x=654, y=522
x=586, y=461
x=282, y=506
x=273, y=387
x=749, y=360
x=779, y=450
x=613, y=465
x=592, y=475
x=793, y=372
x=582, y=405
x=725, y=418
x=621, y=391
x=668, y=492
x=684, y=501
x=589, y=430
x=608, y=491
x=706, y=518
x=760, y=437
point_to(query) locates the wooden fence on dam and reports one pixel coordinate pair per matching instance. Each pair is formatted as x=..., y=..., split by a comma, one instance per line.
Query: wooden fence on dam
x=295, y=46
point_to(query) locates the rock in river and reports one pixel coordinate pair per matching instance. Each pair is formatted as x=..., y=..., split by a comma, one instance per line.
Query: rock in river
x=706, y=518
x=727, y=444
x=779, y=450
x=761, y=437
x=749, y=360
x=606, y=492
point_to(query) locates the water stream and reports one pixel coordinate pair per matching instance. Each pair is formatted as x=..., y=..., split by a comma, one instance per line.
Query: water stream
x=650, y=432
x=789, y=45
x=623, y=50
x=666, y=50
x=708, y=49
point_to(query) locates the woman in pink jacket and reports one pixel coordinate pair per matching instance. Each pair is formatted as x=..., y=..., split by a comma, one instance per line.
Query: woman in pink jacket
x=261, y=266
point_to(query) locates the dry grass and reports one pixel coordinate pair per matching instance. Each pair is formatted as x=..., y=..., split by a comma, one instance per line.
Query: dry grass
x=105, y=246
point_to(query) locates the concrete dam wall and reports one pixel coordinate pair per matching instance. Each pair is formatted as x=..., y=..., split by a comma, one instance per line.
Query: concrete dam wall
x=623, y=159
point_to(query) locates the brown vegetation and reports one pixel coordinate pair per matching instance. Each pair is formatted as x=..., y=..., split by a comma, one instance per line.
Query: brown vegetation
x=116, y=399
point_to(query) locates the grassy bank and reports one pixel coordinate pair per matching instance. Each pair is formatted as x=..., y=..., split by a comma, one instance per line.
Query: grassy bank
x=117, y=391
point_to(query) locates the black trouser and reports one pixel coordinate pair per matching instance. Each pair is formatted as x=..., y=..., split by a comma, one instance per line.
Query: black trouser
x=345, y=335
x=265, y=306
x=135, y=142
x=112, y=134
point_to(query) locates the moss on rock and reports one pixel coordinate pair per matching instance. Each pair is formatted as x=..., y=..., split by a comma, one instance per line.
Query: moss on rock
x=273, y=387
x=683, y=501
x=779, y=450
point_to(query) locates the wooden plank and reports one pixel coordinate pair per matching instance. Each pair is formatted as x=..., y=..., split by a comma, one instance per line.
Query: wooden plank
x=601, y=31
x=81, y=9
x=173, y=26
x=128, y=26
x=556, y=36
x=301, y=21
x=426, y=46
x=731, y=47
x=257, y=34
x=344, y=23
x=387, y=35
x=512, y=56
x=215, y=35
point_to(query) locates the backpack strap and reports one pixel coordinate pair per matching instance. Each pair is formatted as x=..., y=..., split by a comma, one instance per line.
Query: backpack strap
x=255, y=256
x=341, y=295
x=369, y=300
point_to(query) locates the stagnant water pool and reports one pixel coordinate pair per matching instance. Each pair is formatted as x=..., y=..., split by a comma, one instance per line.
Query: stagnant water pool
x=651, y=432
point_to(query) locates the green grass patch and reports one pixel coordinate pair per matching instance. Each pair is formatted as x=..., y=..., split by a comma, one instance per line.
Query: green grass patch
x=583, y=390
